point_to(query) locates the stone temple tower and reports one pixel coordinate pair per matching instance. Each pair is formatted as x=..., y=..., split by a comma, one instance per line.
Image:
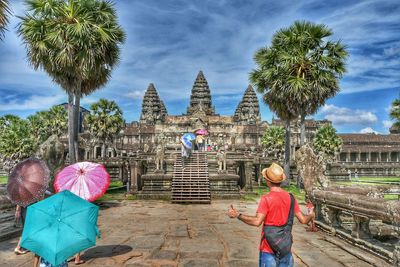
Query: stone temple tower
x=200, y=97
x=248, y=110
x=153, y=109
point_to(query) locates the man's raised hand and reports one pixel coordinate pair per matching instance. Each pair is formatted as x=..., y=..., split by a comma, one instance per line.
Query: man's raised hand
x=232, y=212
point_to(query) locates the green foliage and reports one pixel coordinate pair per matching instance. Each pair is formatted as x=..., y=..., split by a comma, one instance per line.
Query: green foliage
x=300, y=69
x=274, y=137
x=4, y=13
x=3, y=179
x=327, y=142
x=395, y=112
x=16, y=139
x=77, y=43
x=21, y=138
x=46, y=123
x=105, y=120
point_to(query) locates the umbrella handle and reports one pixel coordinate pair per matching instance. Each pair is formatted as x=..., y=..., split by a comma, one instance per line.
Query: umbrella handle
x=98, y=232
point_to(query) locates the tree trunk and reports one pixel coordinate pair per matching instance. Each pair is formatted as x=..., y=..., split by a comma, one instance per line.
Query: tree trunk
x=302, y=129
x=77, y=121
x=302, y=142
x=71, y=129
x=287, y=154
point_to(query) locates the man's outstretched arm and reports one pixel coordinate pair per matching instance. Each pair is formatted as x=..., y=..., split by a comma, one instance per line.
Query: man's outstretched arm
x=250, y=220
x=304, y=219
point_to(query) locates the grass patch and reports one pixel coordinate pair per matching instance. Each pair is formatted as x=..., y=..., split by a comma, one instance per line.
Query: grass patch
x=3, y=179
x=115, y=184
x=380, y=179
x=391, y=197
x=299, y=194
x=117, y=194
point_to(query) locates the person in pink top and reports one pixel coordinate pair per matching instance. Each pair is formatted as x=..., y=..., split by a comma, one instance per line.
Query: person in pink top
x=273, y=210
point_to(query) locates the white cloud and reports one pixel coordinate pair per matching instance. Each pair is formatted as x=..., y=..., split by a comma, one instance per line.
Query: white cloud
x=387, y=124
x=87, y=100
x=368, y=130
x=34, y=102
x=136, y=94
x=392, y=51
x=342, y=115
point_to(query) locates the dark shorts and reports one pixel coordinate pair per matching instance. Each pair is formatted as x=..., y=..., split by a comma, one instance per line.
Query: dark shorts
x=23, y=215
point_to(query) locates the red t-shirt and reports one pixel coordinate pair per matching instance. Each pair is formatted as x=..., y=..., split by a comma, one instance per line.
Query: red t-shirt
x=275, y=206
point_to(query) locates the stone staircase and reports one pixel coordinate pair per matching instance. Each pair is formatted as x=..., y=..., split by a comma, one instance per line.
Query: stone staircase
x=191, y=185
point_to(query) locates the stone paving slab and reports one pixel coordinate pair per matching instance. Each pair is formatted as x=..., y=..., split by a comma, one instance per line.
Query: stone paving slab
x=147, y=233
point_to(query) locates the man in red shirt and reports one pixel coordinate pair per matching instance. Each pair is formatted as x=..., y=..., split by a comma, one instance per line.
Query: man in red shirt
x=273, y=209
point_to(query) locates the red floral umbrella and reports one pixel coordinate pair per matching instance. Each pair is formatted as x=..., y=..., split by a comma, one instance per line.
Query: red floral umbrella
x=28, y=182
x=86, y=179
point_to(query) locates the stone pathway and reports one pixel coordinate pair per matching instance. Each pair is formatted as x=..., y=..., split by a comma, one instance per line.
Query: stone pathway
x=160, y=234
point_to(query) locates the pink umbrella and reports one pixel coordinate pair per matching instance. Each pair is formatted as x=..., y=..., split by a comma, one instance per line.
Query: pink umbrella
x=86, y=179
x=202, y=132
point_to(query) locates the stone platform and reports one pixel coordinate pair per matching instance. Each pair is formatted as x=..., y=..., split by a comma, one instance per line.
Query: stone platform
x=156, y=233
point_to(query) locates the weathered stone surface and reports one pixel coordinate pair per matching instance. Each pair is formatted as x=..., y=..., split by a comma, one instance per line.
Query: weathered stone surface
x=241, y=263
x=199, y=263
x=164, y=255
x=248, y=110
x=311, y=168
x=213, y=239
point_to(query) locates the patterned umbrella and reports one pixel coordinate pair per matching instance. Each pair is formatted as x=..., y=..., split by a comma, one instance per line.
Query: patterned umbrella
x=202, y=132
x=189, y=136
x=85, y=179
x=28, y=182
x=187, y=139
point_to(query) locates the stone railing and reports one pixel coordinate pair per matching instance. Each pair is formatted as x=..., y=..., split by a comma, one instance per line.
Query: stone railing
x=362, y=216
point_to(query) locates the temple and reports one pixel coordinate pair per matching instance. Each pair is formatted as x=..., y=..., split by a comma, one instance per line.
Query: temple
x=147, y=152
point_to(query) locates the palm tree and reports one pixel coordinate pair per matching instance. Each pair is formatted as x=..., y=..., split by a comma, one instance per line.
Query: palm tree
x=77, y=43
x=57, y=121
x=4, y=12
x=301, y=67
x=16, y=140
x=327, y=143
x=274, y=138
x=277, y=105
x=395, y=112
x=104, y=122
x=38, y=126
x=44, y=124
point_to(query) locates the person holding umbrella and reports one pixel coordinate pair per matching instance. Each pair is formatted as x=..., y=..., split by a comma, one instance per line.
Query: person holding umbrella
x=186, y=147
x=59, y=227
x=87, y=180
x=26, y=185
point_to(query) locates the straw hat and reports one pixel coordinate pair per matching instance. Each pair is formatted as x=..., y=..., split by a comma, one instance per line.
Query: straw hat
x=274, y=174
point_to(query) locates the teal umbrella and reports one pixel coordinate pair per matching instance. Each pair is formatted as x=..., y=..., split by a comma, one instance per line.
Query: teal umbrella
x=60, y=226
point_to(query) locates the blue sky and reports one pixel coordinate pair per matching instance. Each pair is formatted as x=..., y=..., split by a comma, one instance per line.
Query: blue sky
x=168, y=42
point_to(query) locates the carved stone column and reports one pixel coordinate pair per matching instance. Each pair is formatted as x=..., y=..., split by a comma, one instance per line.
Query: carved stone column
x=334, y=217
x=134, y=176
x=360, y=227
x=248, y=170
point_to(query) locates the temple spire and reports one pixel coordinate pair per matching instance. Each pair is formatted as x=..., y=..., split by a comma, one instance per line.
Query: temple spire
x=153, y=109
x=201, y=96
x=248, y=110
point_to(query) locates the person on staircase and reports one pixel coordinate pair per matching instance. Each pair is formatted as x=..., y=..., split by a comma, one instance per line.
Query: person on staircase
x=275, y=212
x=200, y=142
x=185, y=153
